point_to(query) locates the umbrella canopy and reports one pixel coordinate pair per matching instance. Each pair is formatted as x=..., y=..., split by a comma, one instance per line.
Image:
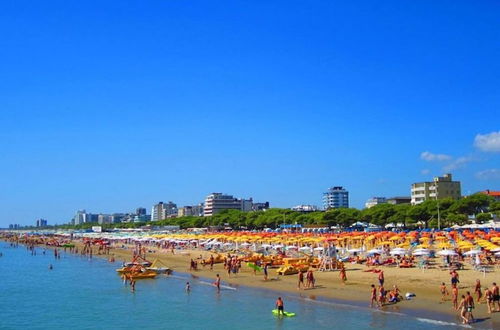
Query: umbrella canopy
x=291, y=247
x=397, y=252
x=421, y=253
x=354, y=250
x=447, y=253
x=472, y=252
x=375, y=251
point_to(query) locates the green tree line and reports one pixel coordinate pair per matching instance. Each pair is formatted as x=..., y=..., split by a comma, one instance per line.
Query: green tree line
x=425, y=214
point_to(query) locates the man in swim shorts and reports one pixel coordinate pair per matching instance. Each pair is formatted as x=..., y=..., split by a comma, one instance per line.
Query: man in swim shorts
x=496, y=296
x=280, y=306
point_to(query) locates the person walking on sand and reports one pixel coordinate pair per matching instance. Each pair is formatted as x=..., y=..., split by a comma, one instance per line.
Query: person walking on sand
x=470, y=306
x=265, y=271
x=488, y=296
x=444, y=291
x=496, y=297
x=373, y=296
x=301, y=280
x=454, y=296
x=212, y=261
x=381, y=278
x=463, y=310
x=381, y=295
x=477, y=291
x=280, y=305
x=343, y=275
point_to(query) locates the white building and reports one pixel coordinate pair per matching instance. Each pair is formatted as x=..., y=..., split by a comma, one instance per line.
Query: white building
x=336, y=197
x=375, y=201
x=441, y=187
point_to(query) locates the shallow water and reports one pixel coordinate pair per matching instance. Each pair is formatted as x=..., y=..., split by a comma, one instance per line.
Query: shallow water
x=82, y=293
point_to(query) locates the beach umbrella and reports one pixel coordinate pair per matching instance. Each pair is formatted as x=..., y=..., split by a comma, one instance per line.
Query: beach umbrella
x=495, y=249
x=447, y=253
x=472, y=252
x=421, y=253
x=354, y=250
x=305, y=248
x=279, y=246
x=265, y=246
x=291, y=247
x=397, y=252
x=318, y=249
x=375, y=251
x=245, y=244
x=497, y=254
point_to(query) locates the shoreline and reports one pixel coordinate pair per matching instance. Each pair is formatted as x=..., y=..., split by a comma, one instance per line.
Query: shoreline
x=355, y=294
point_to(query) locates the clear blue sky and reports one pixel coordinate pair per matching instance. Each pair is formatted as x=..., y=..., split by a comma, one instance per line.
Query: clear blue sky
x=107, y=106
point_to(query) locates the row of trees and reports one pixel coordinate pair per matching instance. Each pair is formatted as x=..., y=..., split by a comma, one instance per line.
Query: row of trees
x=450, y=212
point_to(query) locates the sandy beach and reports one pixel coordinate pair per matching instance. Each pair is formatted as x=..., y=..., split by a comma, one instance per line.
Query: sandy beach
x=424, y=283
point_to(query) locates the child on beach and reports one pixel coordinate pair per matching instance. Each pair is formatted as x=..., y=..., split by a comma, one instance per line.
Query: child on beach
x=454, y=296
x=373, y=296
x=444, y=291
x=343, y=275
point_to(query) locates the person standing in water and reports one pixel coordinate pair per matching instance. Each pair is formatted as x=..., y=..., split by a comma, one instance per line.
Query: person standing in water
x=132, y=285
x=217, y=283
x=280, y=305
x=188, y=287
x=373, y=296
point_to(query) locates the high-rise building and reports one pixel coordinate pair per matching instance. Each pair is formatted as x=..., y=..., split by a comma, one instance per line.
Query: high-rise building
x=375, y=201
x=216, y=202
x=162, y=211
x=441, y=187
x=336, y=197
x=140, y=211
x=41, y=223
x=104, y=219
x=79, y=217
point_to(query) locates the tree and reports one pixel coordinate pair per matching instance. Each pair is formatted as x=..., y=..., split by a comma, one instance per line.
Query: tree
x=473, y=204
x=483, y=217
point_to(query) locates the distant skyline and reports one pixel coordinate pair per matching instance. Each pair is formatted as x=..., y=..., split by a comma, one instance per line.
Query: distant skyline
x=111, y=106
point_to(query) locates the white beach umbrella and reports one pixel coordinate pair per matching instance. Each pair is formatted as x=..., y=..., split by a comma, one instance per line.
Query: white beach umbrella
x=496, y=249
x=397, y=251
x=375, y=251
x=305, y=248
x=291, y=247
x=421, y=253
x=245, y=244
x=279, y=246
x=447, y=253
x=472, y=252
x=265, y=246
x=318, y=249
x=497, y=254
x=354, y=250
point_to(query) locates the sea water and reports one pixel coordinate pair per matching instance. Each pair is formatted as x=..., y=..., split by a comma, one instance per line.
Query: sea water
x=83, y=293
